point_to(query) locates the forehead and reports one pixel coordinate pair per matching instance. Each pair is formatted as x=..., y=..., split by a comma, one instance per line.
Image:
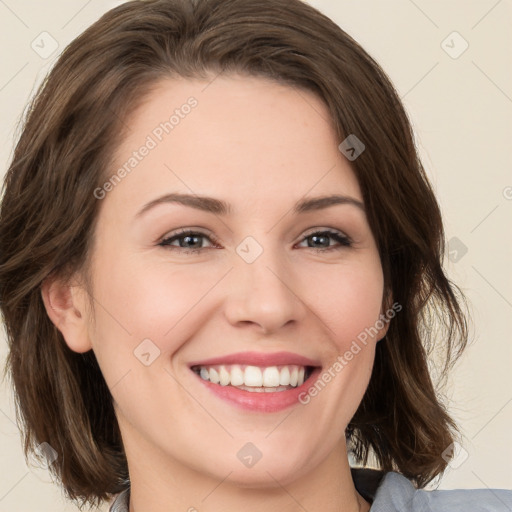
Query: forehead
x=238, y=138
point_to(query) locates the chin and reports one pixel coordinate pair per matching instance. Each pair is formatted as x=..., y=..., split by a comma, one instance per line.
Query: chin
x=274, y=470
x=273, y=476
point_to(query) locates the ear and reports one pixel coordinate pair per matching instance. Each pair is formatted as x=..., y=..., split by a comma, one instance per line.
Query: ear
x=66, y=306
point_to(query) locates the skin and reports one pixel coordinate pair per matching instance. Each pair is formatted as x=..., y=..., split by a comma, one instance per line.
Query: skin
x=260, y=146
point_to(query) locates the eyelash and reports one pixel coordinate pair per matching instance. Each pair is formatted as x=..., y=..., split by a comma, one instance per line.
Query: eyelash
x=343, y=240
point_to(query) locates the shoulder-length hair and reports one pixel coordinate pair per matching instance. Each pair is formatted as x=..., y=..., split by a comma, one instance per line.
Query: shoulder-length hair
x=49, y=210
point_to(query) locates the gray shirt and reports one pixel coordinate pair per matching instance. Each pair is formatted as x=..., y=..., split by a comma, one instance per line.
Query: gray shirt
x=392, y=492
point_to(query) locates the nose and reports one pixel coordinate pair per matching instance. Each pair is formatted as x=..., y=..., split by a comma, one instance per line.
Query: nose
x=263, y=293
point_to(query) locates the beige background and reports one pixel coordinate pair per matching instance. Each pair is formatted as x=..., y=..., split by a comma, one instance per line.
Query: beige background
x=461, y=110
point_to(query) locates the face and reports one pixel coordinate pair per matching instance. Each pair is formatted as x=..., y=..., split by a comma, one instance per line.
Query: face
x=207, y=321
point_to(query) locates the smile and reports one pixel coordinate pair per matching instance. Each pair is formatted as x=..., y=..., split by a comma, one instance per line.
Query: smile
x=257, y=382
x=254, y=378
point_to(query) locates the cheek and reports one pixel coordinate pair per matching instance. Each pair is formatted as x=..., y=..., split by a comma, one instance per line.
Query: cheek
x=348, y=300
x=156, y=301
x=145, y=309
x=349, y=306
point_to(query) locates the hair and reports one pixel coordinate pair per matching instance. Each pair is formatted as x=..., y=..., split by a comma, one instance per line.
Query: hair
x=48, y=214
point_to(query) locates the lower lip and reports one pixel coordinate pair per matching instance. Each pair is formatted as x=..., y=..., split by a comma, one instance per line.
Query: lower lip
x=261, y=401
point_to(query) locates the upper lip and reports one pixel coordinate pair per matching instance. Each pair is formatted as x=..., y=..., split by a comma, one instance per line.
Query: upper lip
x=258, y=359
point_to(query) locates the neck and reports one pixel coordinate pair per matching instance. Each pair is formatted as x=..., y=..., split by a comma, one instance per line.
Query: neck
x=162, y=484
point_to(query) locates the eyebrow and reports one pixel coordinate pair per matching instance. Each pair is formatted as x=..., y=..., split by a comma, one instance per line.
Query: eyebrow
x=219, y=207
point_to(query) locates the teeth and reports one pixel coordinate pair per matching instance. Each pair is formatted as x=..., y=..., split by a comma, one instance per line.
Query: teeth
x=214, y=376
x=284, y=376
x=224, y=376
x=294, y=376
x=271, y=377
x=266, y=390
x=254, y=378
x=300, y=377
x=237, y=375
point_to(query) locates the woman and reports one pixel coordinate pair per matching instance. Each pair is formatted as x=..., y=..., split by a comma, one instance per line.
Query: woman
x=221, y=262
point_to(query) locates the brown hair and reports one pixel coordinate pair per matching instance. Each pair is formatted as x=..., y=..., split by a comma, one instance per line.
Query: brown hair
x=48, y=215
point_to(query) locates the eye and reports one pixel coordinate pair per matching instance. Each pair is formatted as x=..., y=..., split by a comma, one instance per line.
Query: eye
x=320, y=237
x=190, y=241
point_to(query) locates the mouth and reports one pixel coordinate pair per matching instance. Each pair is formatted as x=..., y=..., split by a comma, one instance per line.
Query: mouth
x=255, y=379
x=258, y=382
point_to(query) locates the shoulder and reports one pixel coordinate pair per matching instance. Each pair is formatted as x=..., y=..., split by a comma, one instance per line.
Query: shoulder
x=395, y=493
x=121, y=502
